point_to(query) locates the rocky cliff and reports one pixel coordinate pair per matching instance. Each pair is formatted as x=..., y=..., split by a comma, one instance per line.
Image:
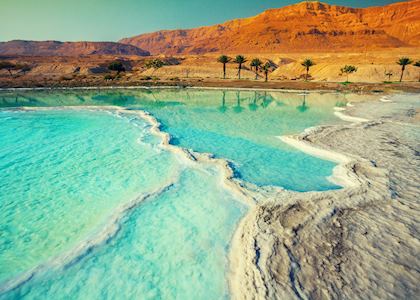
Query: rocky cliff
x=306, y=26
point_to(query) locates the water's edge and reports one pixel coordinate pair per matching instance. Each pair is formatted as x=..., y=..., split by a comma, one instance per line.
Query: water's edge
x=341, y=175
x=245, y=252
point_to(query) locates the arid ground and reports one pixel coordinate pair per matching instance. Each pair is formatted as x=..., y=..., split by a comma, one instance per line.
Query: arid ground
x=204, y=70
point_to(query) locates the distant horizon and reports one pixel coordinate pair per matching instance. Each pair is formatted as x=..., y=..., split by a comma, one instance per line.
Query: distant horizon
x=107, y=21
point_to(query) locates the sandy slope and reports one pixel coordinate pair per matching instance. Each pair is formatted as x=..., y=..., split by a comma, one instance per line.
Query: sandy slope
x=91, y=70
x=361, y=242
x=372, y=66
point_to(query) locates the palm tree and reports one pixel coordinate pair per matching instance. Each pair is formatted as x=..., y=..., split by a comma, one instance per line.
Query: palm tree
x=256, y=63
x=403, y=62
x=307, y=63
x=417, y=64
x=267, y=68
x=389, y=74
x=348, y=69
x=240, y=60
x=223, y=59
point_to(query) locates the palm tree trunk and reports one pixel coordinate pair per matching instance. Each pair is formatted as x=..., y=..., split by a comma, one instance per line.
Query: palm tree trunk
x=347, y=77
x=307, y=73
x=402, y=73
x=239, y=71
x=266, y=76
x=224, y=71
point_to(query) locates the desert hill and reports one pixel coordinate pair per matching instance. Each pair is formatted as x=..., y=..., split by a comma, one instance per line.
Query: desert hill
x=303, y=27
x=55, y=48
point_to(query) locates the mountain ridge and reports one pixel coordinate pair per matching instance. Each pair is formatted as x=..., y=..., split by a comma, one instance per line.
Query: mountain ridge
x=299, y=27
x=57, y=48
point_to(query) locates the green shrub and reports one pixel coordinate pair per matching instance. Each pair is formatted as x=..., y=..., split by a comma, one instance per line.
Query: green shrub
x=155, y=64
x=109, y=77
x=116, y=66
x=345, y=83
x=146, y=78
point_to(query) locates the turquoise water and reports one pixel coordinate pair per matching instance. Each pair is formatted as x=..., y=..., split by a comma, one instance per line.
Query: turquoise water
x=94, y=207
x=62, y=166
x=242, y=127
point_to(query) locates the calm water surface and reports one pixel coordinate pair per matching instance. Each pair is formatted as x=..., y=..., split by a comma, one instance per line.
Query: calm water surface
x=67, y=175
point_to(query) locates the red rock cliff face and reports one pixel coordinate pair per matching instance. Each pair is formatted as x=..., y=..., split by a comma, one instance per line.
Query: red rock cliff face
x=55, y=48
x=307, y=26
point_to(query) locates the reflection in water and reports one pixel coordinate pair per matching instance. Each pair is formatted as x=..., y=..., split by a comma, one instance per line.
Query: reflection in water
x=223, y=108
x=27, y=98
x=253, y=105
x=343, y=102
x=267, y=99
x=303, y=107
x=238, y=108
x=116, y=98
x=230, y=100
x=80, y=98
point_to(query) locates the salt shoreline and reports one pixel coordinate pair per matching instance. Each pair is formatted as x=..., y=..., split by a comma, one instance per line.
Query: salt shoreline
x=251, y=254
x=242, y=260
x=112, y=225
x=323, y=245
x=235, y=186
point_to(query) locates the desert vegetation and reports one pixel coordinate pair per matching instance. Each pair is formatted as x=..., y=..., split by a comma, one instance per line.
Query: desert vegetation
x=240, y=60
x=202, y=70
x=154, y=64
x=404, y=62
x=348, y=69
x=417, y=64
x=116, y=66
x=307, y=63
x=267, y=68
x=256, y=64
x=223, y=59
x=388, y=74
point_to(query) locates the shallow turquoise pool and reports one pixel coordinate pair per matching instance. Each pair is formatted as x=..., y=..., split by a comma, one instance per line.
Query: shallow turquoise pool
x=93, y=207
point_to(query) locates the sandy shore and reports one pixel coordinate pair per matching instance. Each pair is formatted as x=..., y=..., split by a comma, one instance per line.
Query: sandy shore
x=361, y=242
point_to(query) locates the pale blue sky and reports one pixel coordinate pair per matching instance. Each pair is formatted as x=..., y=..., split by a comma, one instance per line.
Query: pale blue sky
x=101, y=20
